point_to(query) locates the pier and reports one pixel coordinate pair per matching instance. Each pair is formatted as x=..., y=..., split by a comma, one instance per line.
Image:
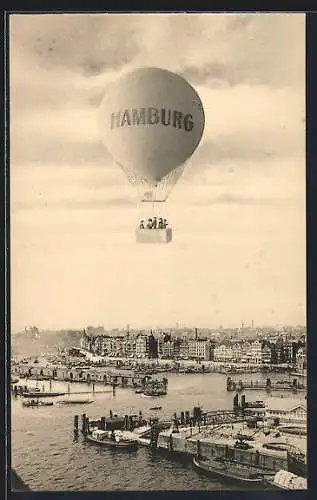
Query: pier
x=105, y=376
x=266, y=385
x=209, y=433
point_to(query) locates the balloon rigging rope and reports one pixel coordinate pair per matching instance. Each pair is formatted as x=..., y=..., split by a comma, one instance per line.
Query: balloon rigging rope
x=155, y=193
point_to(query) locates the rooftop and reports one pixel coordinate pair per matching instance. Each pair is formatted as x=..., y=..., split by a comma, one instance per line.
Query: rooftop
x=286, y=404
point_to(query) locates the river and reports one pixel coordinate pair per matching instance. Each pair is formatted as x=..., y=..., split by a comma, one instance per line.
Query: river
x=47, y=458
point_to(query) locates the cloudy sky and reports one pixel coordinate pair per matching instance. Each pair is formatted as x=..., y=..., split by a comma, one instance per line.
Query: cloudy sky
x=238, y=212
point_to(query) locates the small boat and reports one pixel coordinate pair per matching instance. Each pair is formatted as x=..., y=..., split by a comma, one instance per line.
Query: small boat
x=285, y=480
x=14, y=380
x=230, y=470
x=138, y=391
x=38, y=394
x=36, y=403
x=156, y=408
x=112, y=440
x=65, y=402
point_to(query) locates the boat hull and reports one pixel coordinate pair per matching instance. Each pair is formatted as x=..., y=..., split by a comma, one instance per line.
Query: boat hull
x=36, y=405
x=42, y=394
x=226, y=475
x=108, y=443
x=296, y=466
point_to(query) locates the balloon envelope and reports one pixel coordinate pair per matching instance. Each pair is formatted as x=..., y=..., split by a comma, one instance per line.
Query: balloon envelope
x=151, y=121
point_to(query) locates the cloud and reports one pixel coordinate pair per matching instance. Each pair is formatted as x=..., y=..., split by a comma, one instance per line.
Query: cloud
x=252, y=90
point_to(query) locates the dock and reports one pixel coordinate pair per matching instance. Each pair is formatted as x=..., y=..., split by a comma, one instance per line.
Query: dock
x=216, y=433
x=265, y=385
x=93, y=375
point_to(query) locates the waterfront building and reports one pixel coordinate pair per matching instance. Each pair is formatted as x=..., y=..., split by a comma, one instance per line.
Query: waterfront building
x=237, y=352
x=223, y=352
x=183, y=348
x=152, y=346
x=256, y=352
x=142, y=346
x=129, y=346
x=286, y=411
x=166, y=347
x=199, y=349
x=266, y=354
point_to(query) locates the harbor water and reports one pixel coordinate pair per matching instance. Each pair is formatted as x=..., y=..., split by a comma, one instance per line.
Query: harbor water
x=47, y=457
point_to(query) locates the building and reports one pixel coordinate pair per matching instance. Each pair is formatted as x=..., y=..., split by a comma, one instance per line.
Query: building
x=129, y=346
x=166, y=347
x=286, y=411
x=223, y=353
x=256, y=352
x=237, y=352
x=152, y=346
x=301, y=358
x=86, y=341
x=141, y=346
x=183, y=348
x=266, y=354
x=199, y=349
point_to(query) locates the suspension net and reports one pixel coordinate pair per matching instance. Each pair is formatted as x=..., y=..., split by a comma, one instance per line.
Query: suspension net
x=152, y=195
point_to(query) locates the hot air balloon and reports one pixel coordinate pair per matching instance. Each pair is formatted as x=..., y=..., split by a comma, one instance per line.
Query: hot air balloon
x=151, y=122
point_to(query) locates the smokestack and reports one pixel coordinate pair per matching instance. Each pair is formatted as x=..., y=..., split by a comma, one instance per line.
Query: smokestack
x=196, y=334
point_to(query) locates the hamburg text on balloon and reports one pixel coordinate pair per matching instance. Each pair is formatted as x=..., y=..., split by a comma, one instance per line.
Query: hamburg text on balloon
x=152, y=116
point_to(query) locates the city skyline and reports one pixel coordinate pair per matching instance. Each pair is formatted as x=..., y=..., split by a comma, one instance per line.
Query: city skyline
x=238, y=212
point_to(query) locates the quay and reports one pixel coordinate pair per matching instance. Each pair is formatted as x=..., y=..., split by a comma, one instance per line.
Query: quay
x=103, y=375
x=267, y=385
x=217, y=433
x=19, y=390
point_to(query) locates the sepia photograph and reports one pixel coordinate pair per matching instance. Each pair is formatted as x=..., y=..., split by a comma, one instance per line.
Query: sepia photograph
x=158, y=251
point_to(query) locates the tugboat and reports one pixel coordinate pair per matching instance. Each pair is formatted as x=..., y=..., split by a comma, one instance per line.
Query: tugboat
x=231, y=470
x=111, y=439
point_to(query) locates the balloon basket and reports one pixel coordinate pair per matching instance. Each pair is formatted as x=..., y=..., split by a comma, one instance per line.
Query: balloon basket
x=153, y=235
